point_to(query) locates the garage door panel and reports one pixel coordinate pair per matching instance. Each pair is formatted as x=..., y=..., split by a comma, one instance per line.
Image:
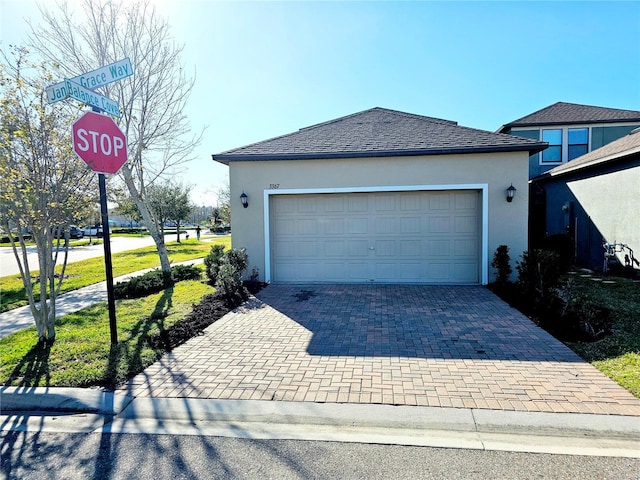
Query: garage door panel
x=439, y=225
x=358, y=226
x=357, y=203
x=358, y=248
x=464, y=201
x=410, y=248
x=391, y=237
x=308, y=249
x=333, y=226
x=409, y=225
x=358, y=271
x=465, y=248
x=440, y=201
x=463, y=271
x=385, y=225
x=335, y=248
x=385, y=248
x=466, y=224
x=438, y=248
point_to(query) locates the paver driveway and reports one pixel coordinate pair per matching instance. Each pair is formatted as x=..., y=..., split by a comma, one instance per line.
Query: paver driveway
x=445, y=346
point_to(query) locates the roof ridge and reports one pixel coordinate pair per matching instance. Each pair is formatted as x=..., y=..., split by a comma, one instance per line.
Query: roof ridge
x=381, y=109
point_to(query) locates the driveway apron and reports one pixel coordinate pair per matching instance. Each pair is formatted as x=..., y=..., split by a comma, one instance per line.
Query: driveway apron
x=441, y=346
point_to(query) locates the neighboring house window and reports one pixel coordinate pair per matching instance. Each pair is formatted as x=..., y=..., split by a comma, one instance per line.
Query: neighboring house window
x=578, y=142
x=553, y=154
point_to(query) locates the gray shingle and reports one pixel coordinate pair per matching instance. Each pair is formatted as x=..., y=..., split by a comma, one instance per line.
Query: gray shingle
x=563, y=113
x=379, y=132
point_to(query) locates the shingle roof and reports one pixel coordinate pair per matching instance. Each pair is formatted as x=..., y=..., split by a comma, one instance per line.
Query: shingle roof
x=379, y=132
x=563, y=113
x=618, y=149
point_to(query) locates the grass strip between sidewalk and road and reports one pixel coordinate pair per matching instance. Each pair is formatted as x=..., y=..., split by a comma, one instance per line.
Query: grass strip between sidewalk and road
x=82, y=354
x=90, y=271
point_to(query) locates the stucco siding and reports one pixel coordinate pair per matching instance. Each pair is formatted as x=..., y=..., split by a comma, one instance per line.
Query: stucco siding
x=506, y=222
x=612, y=201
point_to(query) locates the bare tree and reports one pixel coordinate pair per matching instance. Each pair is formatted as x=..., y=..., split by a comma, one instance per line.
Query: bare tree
x=151, y=101
x=43, y=185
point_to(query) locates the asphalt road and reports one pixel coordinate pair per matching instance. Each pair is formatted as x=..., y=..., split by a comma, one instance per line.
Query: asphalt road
x=155, y=457
x=9, y=266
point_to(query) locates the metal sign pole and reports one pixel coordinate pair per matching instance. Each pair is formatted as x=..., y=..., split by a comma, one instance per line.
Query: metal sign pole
x=107, y=258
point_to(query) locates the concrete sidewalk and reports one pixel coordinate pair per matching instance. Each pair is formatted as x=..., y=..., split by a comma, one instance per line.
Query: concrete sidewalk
x=83, y=410
x=71, y=302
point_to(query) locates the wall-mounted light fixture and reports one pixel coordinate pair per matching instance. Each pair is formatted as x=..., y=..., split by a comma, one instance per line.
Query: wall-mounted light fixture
x=245, y=200
x=511, y=192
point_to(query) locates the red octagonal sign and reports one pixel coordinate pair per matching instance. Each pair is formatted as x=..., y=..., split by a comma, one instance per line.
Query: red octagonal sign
x=99, y=143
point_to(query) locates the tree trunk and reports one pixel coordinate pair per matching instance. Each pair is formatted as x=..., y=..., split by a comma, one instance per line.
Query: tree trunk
x=147, y=220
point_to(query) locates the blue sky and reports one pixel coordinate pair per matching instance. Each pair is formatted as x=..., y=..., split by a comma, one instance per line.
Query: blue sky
x=268, y=68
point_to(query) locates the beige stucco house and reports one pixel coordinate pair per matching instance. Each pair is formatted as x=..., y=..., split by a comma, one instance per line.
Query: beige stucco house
x=380, y=196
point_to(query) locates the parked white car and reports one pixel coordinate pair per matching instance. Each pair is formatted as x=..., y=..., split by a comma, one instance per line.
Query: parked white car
x=93, y=231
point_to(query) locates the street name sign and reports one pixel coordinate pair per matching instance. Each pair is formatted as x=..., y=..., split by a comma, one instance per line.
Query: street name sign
x=91, y=80
x=100, y=143
x=84, y=95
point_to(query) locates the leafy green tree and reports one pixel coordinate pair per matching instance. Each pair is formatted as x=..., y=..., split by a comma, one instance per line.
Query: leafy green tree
x=224, y=204
x=89, y=34
x=169, y=203
x=44, y=186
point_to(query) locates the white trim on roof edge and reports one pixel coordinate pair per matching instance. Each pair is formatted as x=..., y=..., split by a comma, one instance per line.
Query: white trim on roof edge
x=483, y=187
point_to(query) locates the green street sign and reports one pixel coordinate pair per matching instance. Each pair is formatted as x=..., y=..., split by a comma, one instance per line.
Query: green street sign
x=91, y=80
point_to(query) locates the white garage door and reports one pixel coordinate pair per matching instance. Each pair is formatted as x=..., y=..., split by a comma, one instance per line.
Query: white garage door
x=386, y=237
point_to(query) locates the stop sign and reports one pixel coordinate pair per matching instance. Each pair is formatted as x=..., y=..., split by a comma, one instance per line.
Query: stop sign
x=99, y=143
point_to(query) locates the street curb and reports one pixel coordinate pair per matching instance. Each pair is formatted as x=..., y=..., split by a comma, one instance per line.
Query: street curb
x=45, y=400
x=385, y=416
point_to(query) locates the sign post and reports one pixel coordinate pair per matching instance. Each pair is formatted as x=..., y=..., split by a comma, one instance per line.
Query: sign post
x=100, y=143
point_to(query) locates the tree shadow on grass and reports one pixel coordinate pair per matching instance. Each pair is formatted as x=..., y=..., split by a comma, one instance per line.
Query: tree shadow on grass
x=33, y=369
x=127, y=358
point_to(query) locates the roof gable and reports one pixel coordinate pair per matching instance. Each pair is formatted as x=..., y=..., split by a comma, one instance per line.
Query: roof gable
x=562, y=113
x=379, y=132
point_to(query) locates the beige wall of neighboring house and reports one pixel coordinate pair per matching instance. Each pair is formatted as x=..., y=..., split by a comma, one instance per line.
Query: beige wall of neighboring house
x=491, y=173
x=612, y=201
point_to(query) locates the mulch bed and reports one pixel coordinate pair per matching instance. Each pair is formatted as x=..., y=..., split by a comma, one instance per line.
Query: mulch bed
x=212, y=307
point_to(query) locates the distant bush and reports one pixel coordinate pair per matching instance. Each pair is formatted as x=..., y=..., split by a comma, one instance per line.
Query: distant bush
x=142, y=285
x=155, y=281
x=186, y=272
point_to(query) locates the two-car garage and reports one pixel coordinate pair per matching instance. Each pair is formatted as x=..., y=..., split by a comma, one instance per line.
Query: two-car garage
x=379, y=196
x=411, y=236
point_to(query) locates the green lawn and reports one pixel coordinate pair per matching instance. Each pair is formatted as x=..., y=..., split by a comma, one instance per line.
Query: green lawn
x=617, y=355
x=87, y=272
x=82, y=354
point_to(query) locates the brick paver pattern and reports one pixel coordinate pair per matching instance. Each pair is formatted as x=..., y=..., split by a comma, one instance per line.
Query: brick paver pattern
x=438, y=346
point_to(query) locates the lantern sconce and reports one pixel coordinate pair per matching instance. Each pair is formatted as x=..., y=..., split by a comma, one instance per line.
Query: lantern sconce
x=511, y=192
x=244, y=199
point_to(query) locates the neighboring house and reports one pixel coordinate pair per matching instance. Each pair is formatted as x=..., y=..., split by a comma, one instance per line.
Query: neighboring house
x=379, y=196
x=571, y=130
x=596, y=199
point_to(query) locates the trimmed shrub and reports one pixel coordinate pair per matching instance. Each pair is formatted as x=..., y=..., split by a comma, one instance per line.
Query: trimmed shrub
x=538, y=279
x=501, y=263
x=155, y=281
x=212, y=262
x=142, y=285
x=185, y=272
x=562, y=245
x=229, y=283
